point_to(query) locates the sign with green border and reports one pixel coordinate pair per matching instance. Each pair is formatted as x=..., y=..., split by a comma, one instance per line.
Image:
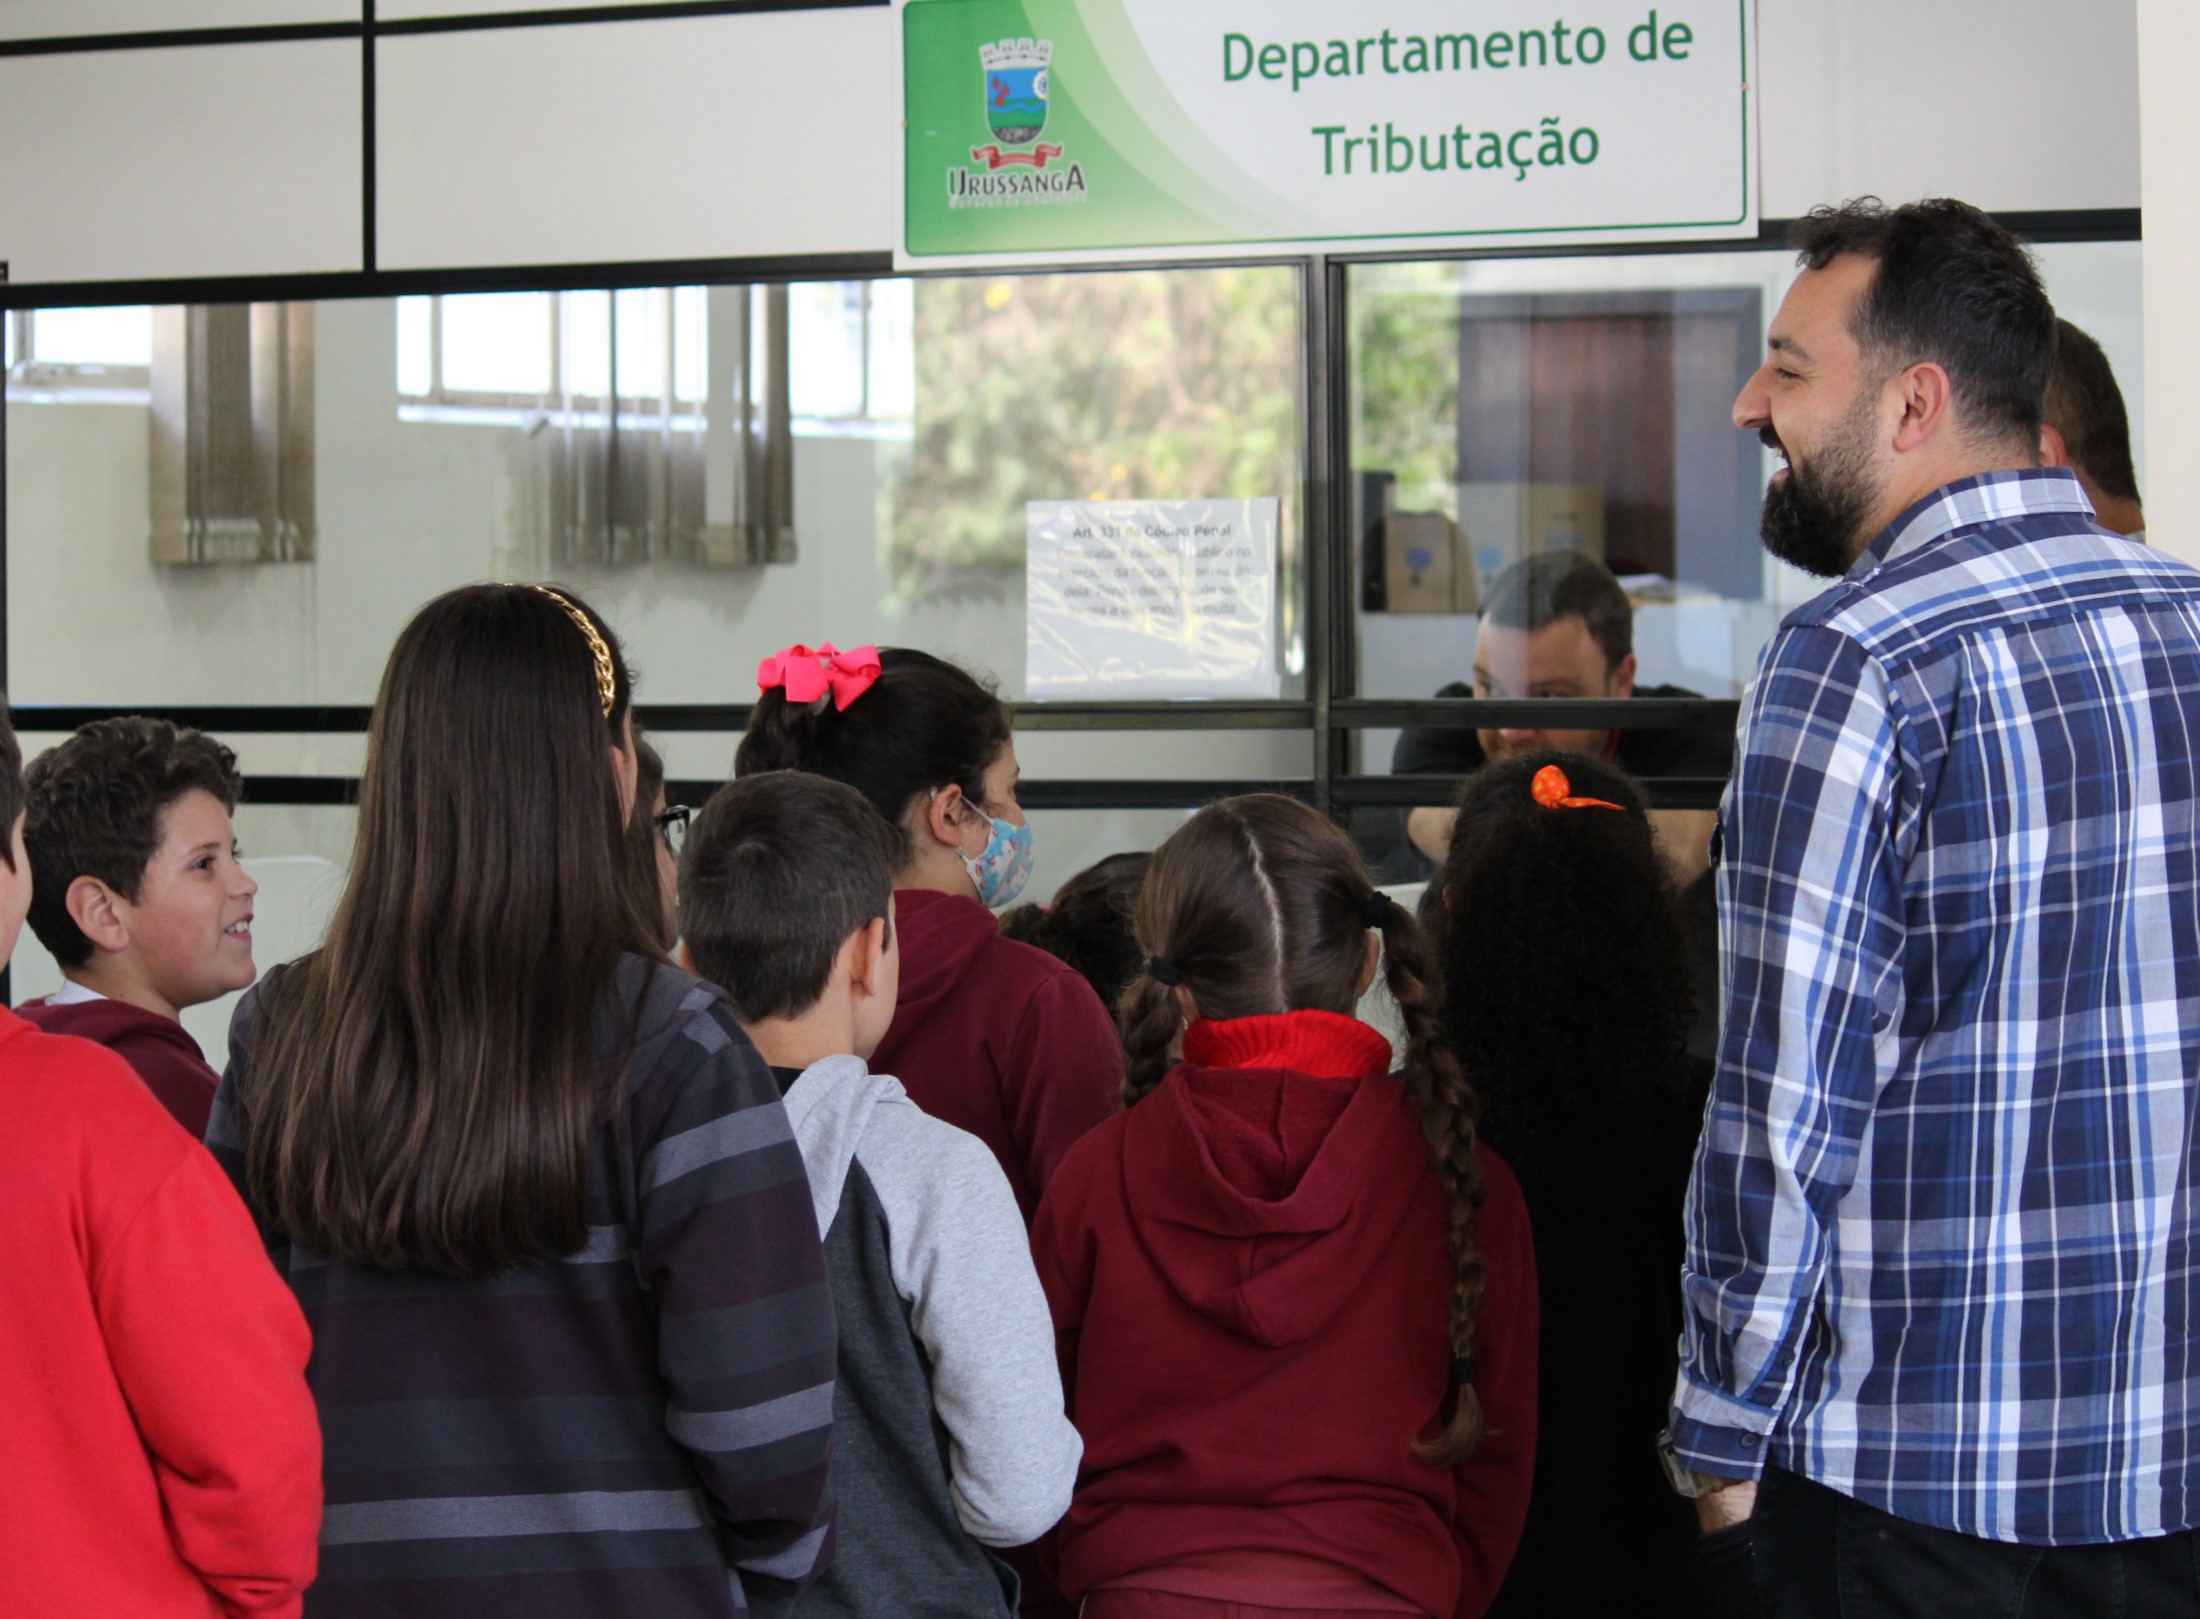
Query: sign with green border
x=1080, y=130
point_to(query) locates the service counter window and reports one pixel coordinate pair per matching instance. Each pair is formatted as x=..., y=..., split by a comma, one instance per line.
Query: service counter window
x=624, y=442
x=241, y=518
x=1505, y=415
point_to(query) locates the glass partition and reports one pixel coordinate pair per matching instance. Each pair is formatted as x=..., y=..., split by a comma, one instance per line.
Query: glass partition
x=921, y=416
x=852, y=460
x=1497, y=409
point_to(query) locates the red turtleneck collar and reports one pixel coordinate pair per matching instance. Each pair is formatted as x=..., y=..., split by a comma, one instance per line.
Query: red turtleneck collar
x=1326, y=1045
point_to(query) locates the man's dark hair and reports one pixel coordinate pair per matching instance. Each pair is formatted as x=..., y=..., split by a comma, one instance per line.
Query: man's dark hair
x=1953, y=288
x=778, y=870
x=94, y=806
x=2086, y=407
x=11, y=785
x=1551, y=585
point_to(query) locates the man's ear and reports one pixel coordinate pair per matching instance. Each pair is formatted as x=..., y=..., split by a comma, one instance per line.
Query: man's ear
x=2054, y=450
x=865, y=958
x=1623, y=678
x=1924, y=395
x=97, y=912
x=687, y=959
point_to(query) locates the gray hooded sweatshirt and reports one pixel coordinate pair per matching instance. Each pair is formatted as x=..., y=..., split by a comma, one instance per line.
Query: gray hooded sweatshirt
x=948, y=1430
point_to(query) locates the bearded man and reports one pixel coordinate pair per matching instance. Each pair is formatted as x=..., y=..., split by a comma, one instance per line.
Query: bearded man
x=1942, y=1346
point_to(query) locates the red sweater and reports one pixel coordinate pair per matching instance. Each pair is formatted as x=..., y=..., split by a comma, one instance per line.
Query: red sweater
x=998, y=1039
x=159, y=1443
x=159, y=1048
x=1249, y=1276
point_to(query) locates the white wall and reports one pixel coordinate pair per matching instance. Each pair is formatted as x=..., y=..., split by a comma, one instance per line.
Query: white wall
x=2169, y=34
x=702, y=137
x=214, y=160
x=2009, y=104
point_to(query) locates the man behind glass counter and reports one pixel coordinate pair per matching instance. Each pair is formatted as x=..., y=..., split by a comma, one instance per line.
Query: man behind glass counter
x=1557, y=624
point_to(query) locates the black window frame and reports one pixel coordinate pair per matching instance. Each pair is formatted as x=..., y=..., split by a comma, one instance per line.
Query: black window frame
x=1330, y=714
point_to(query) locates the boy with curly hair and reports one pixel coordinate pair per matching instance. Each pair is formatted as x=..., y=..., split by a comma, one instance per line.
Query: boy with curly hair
x=138, y=895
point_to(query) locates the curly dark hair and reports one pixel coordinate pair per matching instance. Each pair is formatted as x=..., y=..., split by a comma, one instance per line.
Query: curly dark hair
x=1563, y=953
x=93, y=808
x=1088, y=927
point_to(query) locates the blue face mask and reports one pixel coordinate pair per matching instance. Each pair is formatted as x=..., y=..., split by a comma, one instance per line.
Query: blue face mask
x=1002, y=870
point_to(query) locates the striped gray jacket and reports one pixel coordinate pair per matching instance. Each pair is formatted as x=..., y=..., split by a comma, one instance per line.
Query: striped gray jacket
x=641, y=1428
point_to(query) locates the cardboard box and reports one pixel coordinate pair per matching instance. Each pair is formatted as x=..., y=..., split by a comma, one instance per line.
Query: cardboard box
x=1423, y=565
x=1503, y=522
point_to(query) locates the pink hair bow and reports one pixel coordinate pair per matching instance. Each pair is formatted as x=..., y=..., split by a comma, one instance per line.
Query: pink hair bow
x=806, y=674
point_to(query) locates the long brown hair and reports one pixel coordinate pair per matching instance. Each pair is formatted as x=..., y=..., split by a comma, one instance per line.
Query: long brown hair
x=422, y=1089
x=1262, y=905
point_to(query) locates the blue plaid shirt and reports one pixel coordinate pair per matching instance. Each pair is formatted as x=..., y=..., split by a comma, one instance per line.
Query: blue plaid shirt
x=1944, y=1231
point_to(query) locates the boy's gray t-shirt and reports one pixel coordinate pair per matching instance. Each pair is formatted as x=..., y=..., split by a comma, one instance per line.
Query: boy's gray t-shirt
x=949, y=1432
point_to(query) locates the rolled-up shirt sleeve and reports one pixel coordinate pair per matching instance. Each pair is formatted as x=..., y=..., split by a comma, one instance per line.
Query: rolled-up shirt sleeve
x=1811, y=925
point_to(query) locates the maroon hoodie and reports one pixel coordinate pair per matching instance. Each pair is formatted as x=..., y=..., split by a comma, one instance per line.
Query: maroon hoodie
x=1249, y=1275
x=997, y=1038
x=159, y=1048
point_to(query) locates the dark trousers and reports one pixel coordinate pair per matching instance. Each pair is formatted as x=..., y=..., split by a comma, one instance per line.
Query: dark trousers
x=1812, y=1553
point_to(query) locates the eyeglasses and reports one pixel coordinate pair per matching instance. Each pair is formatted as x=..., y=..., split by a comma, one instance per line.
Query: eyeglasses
x=672, y=825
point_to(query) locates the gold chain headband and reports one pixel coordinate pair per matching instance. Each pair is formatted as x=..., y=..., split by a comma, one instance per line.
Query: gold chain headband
x=607, y=681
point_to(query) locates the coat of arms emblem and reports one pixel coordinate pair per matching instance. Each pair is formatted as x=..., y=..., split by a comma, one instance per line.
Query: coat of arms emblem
x=1016, y=88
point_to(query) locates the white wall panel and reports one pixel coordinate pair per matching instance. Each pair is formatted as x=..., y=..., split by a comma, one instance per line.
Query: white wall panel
x=2169, y=33
x=202, y=161
x=769, y=133
x=399, y=10
x=57, y=19
x=2010, y=104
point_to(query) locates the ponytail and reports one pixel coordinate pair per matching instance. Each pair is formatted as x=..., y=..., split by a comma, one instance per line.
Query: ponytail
x=1448, y=1108
x=1151, y=1022
x=923, y=724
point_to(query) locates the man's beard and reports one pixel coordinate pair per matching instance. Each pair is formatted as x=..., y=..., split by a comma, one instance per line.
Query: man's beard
x=1815, y=516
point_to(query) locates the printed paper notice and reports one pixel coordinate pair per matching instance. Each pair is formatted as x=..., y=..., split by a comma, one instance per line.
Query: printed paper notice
x=1151, y=598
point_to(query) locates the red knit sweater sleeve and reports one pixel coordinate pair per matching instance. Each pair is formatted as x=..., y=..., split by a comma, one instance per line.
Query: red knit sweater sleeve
x=1069, y=1062
x=210, y=1349
x=1493, y=1484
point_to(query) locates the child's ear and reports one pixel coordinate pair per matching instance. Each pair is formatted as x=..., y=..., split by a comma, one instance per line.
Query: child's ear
x=1373, y=964
x=942, y=813
x=867, y=956
x=97, y=914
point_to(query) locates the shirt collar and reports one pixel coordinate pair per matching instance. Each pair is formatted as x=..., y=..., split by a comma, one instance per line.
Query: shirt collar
x=72, y=993
x=1991, y=497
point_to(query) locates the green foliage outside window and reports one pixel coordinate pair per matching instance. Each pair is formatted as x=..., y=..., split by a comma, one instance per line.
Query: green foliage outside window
x=1116, y=386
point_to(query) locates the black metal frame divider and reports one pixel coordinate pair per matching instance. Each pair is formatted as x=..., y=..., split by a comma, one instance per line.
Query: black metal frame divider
x=1331, y=711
